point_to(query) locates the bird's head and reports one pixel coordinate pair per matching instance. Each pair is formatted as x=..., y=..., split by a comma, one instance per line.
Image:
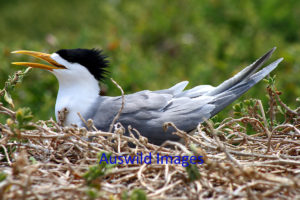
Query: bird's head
x=78, y=72
x=71, y=65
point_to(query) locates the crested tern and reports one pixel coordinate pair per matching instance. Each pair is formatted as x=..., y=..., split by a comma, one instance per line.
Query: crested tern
x=79, y=71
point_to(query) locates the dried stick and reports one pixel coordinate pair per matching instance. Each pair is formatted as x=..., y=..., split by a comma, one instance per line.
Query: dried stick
x=122, y=106
x=6, y=154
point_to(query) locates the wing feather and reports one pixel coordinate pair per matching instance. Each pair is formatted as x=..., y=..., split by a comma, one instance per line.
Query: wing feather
x=147, y=111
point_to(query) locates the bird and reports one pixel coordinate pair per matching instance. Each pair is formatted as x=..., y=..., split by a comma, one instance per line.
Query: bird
x=79, y=72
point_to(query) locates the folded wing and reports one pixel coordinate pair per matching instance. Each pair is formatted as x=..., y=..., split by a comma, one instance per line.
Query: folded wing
x=148, y=110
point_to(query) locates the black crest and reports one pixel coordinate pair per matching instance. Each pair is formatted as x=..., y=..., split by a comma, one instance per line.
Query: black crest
x=92, y=59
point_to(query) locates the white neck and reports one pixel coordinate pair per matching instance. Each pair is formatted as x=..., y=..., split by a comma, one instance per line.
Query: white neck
x=76, y=99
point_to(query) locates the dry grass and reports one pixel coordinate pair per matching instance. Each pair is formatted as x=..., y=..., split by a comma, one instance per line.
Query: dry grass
x=51, y=162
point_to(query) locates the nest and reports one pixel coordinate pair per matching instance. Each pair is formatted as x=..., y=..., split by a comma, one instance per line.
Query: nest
x=43, y=160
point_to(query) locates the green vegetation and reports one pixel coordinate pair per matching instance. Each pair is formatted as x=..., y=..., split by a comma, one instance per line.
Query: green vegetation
x=97, y=171
x=2, y=176
x=152, y=44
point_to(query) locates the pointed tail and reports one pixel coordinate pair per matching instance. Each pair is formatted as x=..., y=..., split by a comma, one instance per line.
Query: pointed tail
x=242, y=75
x=230, y=92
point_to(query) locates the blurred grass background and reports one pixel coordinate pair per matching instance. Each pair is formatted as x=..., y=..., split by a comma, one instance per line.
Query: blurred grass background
x=152, y=44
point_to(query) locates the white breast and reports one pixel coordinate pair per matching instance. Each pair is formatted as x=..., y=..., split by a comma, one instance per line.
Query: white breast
x=75, y=101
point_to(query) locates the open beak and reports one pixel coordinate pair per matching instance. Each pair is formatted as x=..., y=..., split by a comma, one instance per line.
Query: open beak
x=43, y=56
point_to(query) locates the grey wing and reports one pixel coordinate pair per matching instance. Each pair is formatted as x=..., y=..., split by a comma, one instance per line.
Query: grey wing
x=147, y=111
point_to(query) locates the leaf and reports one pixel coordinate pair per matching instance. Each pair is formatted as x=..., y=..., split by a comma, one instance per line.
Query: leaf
x=33, y=160
x=8, y=99
x=2, y=176
x=138, y=194
x=193, y=172
x=125, y=195
x=92, y=193
x=97, y=171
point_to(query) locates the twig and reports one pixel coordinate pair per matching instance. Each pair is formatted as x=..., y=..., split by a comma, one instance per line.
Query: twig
x=122, y=106
x=83, y=120
x=272, y=105
x=62, y=115
x=6, y=154
x=264, y=116
x=284, y=105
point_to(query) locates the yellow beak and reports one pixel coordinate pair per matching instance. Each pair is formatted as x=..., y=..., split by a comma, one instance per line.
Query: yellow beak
x=43, y=56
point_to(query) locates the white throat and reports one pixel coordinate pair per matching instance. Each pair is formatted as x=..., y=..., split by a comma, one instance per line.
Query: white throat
x=78, y=90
